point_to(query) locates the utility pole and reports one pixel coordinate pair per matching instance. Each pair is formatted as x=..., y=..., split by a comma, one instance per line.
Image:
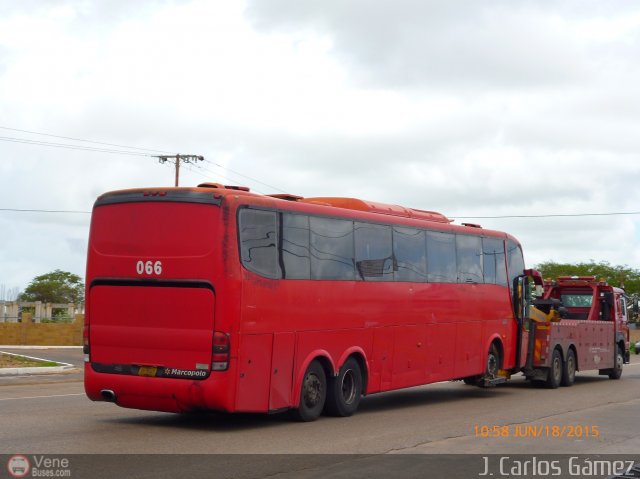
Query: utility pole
x=176, y=159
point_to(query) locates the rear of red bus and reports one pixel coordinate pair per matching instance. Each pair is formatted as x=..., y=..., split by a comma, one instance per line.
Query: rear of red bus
x=156, y=336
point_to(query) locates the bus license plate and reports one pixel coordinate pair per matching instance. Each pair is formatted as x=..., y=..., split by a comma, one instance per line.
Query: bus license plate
x=149, y=371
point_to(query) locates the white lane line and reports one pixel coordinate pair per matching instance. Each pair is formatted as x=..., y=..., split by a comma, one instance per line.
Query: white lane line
x=38, y=397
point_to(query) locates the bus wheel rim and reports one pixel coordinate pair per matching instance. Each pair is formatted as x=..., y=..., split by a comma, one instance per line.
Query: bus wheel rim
x=492, y=365
x=312, y=390
x=348, y=386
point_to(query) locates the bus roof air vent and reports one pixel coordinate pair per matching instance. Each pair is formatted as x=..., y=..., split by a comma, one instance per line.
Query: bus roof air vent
x=220, y=186
x=287, y=197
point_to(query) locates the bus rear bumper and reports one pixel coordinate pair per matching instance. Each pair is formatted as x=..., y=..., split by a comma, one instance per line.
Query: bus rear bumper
x=158, y=394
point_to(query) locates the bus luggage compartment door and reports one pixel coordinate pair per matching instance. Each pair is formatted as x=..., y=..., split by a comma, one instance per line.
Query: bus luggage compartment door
x=151, y=326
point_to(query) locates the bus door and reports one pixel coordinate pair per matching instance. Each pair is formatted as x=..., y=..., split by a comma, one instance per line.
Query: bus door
x=521, y=309
x=523, y=289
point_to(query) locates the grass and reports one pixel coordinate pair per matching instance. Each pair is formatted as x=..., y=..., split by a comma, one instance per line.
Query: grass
x=11, y=361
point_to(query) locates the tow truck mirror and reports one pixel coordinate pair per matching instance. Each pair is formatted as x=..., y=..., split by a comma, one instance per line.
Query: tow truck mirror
x=608, y=298
x=634, y=305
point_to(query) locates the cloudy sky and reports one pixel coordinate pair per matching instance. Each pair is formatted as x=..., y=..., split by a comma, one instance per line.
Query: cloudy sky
x=475, y=109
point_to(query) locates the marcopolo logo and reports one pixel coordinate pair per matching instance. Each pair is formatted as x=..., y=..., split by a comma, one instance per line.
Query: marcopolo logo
x=18, y=466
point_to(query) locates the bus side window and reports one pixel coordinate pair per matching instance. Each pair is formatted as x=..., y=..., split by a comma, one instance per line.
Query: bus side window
x=259, y=242
x=374, y=256
x=296, y=258
x=331, y=245
x=494, y=266
x=515, y=261
x=441, y=257
x=410, y=253
x=469, y=259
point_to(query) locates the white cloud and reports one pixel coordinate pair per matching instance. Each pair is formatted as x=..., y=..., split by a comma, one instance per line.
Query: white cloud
x=479, y=109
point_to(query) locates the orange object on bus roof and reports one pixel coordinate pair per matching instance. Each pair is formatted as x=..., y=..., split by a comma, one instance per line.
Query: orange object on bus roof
x=351, y=204
x=381, y=208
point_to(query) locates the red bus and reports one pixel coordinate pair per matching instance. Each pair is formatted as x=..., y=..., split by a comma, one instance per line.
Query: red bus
x=217, y=298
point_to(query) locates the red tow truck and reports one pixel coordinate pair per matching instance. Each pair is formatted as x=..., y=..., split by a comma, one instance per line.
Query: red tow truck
x=572, y=323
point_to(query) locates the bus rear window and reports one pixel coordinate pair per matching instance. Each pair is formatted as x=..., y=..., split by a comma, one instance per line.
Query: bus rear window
x=154, y=229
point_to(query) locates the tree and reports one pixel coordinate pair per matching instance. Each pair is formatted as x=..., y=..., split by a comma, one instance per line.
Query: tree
x=55, y=287
x=614, y=275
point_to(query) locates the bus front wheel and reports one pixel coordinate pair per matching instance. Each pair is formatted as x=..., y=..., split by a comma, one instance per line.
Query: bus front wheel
x=313, y=393
x=345, y=390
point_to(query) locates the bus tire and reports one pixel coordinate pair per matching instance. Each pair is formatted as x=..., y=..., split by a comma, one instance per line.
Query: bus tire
x=345, y=390
x=555, y=370
x=616, y=371
x=313, y=393
x=569, y=369
x=493, y=363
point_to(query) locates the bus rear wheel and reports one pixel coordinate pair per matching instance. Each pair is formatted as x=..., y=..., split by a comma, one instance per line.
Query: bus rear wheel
x=345, y=390
x=313, y=393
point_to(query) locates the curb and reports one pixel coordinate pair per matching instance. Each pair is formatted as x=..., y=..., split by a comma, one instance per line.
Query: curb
x=29, y=371
x=63, y=368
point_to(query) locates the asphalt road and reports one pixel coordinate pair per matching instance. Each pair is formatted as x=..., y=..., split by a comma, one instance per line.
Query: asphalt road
x=595, y=416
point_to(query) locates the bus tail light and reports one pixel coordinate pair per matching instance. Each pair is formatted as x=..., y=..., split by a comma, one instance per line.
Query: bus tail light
x=86, y=350
x=220, y=351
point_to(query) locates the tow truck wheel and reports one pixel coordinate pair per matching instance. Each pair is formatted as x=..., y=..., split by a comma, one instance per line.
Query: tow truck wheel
x=555, y=370
x=569, y=369
x=616, y=372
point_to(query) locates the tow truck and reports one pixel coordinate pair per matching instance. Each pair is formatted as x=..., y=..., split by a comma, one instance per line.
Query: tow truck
x=572, y=323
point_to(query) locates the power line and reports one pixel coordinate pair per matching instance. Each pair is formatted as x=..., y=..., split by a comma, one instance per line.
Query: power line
x=83, y=140
x=165, y=157
x=568, y=215
x=70, y=146
x=108, y=150
x=20, y=210
x=218, y=175
x=245, y=176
